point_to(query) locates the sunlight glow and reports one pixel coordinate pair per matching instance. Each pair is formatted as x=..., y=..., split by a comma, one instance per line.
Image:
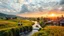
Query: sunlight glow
x=52, y=15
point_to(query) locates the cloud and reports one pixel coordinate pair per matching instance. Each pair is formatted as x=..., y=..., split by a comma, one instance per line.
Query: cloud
x=6, y=10
x=62, y=2
x=21, y=6
x=24, y=8
x=8, y=6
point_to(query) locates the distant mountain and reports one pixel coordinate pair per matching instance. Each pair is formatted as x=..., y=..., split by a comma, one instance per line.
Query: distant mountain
x=6, y=15
x=3, y=15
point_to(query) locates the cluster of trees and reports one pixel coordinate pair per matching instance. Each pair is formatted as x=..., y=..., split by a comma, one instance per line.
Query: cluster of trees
x=8, y=18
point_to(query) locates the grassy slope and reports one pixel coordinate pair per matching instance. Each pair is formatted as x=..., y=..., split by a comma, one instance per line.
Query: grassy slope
x=8, y=24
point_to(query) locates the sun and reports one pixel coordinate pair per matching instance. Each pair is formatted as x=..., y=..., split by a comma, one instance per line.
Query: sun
x=52, y=15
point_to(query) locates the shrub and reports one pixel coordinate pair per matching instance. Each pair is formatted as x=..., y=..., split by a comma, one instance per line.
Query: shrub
x=15, y=31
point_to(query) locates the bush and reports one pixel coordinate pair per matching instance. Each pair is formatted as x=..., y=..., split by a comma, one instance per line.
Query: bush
x=15, y=31
x=6, y=33
x=21, y=29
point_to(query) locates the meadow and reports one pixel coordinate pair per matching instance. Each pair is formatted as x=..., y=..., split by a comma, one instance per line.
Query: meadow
x=50, y=31
x=11, y=28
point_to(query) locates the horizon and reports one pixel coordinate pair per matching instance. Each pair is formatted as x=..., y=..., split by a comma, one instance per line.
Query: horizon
x=43, y=14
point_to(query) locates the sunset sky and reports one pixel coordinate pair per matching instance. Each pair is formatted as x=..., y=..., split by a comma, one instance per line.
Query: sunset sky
x=15, y=7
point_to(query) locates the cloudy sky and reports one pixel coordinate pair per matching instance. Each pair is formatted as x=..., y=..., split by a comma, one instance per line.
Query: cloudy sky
x=22, y=6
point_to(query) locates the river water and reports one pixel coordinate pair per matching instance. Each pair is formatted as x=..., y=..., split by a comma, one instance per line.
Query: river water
x=35, y=29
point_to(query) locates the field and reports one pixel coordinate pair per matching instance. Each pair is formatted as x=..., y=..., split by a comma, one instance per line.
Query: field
x=11, y=27
x=50, y=31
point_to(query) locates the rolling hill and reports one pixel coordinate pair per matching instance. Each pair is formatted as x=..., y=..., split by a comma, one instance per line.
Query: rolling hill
x=6, y=15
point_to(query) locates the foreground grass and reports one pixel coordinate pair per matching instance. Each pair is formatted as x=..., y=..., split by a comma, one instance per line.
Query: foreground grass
x=11, y=28
x=51, y=31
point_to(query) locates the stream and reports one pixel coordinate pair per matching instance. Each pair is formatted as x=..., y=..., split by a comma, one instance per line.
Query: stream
x=35, y=29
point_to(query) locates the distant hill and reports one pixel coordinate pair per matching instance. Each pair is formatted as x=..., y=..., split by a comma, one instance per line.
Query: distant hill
x=6, y=15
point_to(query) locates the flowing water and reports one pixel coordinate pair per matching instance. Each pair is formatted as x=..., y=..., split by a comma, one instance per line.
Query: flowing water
x=35, y=29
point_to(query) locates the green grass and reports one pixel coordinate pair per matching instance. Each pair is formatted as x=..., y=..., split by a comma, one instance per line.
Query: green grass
x=11, y=28
x=50, y=31
x=14, y=23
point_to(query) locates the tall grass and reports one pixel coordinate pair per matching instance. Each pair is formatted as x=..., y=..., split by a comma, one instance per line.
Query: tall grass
x=11, y=28
x=51, y=31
